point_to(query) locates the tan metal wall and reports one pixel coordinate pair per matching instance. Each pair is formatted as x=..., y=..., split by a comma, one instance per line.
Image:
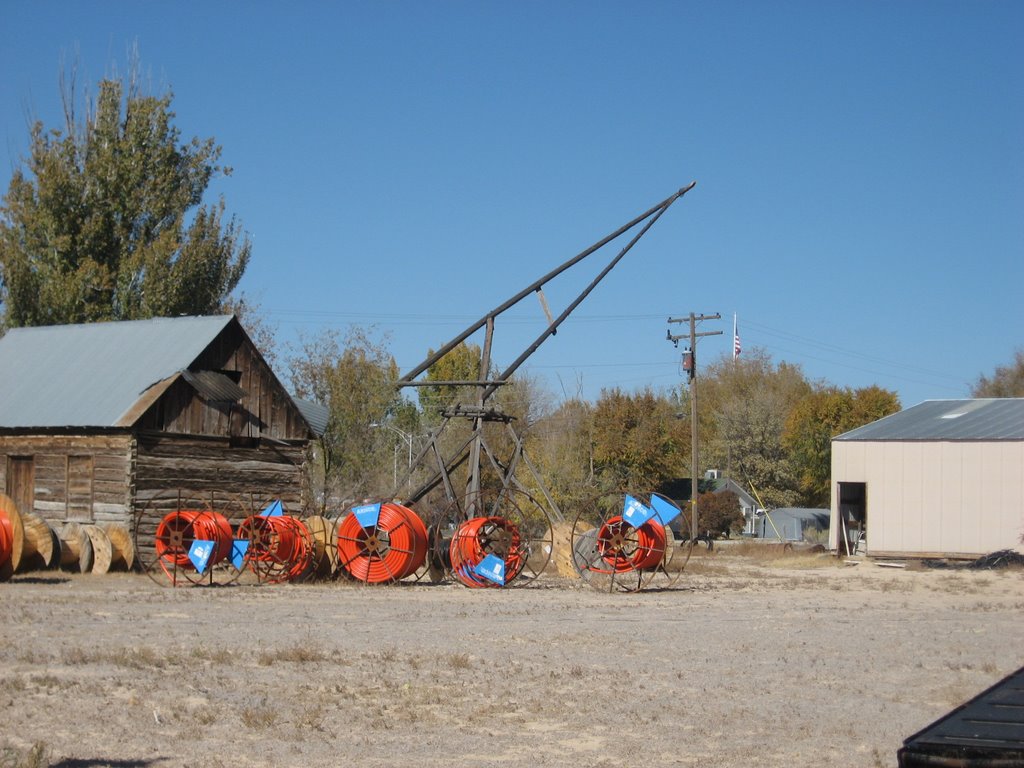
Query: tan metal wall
x=934, y=498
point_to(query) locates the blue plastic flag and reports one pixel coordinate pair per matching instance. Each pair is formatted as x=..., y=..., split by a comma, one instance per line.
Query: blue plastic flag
x=274, y=509
x=199, y=553
x=239, y=548
x=665, y=510
x=367, y=514
x=491, y=568
x=635, y=512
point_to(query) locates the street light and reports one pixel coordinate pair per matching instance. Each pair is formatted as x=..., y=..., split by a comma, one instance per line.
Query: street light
x=408, y=441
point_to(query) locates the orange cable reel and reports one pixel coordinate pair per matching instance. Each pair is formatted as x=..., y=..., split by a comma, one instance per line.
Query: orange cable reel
x=487, y=552
x=381, y=543
x=6, y=540
x=275, y=546
x=189, y=542
x=633, y=541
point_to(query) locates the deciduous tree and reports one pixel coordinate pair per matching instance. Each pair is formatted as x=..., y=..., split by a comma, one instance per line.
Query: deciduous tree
x=105, y=221
x=1006, y=381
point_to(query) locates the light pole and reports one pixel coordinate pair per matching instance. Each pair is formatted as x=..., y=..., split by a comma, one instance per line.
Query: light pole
x=405, y=437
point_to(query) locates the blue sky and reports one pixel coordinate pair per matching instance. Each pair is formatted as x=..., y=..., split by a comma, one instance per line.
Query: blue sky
x=410, y=165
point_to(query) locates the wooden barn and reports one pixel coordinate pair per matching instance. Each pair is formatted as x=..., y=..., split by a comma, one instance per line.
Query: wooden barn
x=944, y=479
x=98, y=421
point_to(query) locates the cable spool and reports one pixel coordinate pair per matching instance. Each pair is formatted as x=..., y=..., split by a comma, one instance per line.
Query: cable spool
x=13, y=532
x=6, y=546
x=280, y=547
x=509, y=524
x=325, y=545
x=619, y=543
x=176, y=534
x=75, y=548
x=624, y=548
x=389, y=547
x=479, y=538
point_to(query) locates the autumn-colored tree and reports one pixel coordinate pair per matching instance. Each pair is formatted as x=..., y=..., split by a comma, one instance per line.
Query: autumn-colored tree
x=354, y=378
x=816, y=419
x=106, y=221
x=638, y=441
x=719, y=513
x=743, y=405
x=561, y=446
x=1006, y=381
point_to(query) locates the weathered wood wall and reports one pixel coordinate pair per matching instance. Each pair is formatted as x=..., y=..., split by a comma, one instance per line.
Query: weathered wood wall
x=83, y=478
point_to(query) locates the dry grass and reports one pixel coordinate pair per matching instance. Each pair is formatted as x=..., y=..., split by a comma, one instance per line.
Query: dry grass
x=37, y=756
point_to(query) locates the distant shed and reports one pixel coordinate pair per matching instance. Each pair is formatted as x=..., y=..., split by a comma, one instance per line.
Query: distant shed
x=944, y=478
x=98, y=419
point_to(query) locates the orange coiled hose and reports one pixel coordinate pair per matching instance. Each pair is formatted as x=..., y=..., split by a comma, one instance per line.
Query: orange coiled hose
x=626, y=548
x=280, y=547
x=6, y=538
x=390, y=550
x=177, y=531
x=479, y=537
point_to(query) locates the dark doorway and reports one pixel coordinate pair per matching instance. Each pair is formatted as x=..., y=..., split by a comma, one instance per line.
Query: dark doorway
x=853, y=518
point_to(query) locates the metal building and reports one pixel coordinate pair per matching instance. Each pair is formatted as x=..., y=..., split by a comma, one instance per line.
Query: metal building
x=944, y=478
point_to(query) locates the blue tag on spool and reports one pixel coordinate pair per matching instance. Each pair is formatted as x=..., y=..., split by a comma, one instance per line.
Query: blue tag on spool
x=274, y=509
x=367, y=515
x=491, y=568
x=239, y=548
x=635, y=512
x=200, y=552
x=665, y=510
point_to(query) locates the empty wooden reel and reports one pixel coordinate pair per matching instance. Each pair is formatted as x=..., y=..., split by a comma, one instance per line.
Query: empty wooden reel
x=325, y=545
x=122, y=556
x=102, y=552
x=75, y=548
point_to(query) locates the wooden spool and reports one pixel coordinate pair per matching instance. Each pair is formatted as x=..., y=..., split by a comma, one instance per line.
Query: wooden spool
x=324, y=533
x=102, y=552
x=121, y=544
x=11, y=519
x=41, y=548
x=75, y=548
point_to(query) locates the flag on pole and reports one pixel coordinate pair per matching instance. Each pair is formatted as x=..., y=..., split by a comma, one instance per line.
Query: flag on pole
x=735, y=338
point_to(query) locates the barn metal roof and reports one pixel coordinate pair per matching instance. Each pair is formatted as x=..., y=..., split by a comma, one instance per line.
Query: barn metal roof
x=950, y=420
x=90, y=375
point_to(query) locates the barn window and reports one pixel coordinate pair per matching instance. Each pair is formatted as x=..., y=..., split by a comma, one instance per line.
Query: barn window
x=79, y=485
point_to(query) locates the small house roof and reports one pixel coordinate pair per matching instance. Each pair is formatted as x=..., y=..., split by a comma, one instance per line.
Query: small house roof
x=970, y=419
x=105, y=374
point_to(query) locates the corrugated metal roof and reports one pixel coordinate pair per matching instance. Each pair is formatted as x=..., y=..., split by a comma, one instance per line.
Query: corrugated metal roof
x=214, y=385
x=978, y=419
x=89, y=375
x=316, y=415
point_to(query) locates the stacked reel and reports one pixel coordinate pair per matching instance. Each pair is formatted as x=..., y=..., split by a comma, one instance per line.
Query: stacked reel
x=620, y=543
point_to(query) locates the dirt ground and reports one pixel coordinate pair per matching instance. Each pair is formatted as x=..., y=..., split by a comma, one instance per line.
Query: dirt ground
x=744, y=662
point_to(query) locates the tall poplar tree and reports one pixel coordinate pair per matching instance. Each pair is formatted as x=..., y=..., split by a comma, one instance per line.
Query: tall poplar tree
x=105, y=220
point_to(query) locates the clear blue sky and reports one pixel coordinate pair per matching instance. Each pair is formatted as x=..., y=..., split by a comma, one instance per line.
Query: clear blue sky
x=409, y=165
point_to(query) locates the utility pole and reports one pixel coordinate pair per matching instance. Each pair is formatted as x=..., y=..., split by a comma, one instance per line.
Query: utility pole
x=690, y=366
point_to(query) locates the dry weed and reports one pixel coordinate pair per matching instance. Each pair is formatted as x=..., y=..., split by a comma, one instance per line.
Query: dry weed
x=258, y=717
x=36, y=757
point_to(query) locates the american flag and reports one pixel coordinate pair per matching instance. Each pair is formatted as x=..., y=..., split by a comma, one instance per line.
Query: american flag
x=735, y=339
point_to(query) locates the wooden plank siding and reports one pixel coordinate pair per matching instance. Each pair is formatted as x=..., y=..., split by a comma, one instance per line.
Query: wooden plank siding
x=102, y=495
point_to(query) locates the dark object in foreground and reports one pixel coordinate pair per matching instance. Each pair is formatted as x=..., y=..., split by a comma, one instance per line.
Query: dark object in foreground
x=985, y=732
